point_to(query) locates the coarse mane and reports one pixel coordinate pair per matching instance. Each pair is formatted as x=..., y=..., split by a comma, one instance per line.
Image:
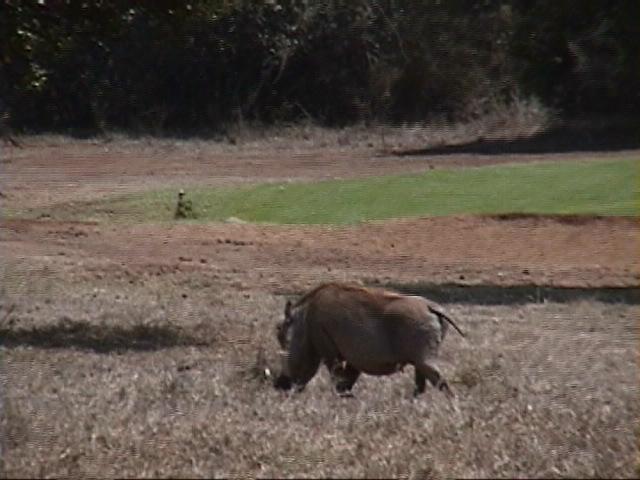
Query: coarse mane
x=373, y=292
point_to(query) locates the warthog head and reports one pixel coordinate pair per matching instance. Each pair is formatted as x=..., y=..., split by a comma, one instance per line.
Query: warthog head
x=283, y=334
x=283, y=329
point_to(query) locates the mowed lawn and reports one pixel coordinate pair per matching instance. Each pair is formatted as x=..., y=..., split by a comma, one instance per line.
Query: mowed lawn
x=603, y=187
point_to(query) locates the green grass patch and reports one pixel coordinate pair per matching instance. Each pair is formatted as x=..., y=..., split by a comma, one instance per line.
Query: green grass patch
x=609, y=187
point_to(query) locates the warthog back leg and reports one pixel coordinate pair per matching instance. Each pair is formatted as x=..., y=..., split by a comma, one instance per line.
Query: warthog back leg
x=423, y=372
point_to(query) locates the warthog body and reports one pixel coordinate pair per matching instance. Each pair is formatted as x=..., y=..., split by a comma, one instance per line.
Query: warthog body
x=355, y=330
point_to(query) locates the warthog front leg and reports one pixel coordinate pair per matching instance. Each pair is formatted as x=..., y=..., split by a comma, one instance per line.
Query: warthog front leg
x=425, y=371
x=344, y=377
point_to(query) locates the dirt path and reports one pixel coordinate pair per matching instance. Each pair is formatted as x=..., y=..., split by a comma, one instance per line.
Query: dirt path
x=462, y=250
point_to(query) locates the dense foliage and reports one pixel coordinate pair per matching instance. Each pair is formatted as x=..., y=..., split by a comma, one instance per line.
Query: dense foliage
x=174, y=66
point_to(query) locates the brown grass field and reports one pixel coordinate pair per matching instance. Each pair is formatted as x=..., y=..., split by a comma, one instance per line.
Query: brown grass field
x=139, y=350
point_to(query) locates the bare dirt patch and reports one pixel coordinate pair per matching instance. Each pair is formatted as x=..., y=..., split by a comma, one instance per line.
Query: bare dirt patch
x=598, y=252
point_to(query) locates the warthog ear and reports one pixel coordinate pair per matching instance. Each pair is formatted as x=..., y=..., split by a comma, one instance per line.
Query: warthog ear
x=287, y=309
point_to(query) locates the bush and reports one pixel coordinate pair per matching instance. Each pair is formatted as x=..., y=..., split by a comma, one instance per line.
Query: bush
x=174, y=67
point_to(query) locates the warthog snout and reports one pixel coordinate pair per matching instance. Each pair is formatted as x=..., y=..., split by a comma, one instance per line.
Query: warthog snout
x=283, y=382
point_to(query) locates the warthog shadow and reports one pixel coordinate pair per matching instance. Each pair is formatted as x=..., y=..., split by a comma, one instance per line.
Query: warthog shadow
x=68, y=333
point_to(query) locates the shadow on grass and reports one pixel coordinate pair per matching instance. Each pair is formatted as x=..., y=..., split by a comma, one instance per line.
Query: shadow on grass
x=68, y=333
x=517, y=294
x=488, y=294
x=562, y=139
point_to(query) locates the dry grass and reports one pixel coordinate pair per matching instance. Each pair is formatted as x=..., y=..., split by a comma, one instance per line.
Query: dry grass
x=543, y=390
x=158, y=372
x=492, y=119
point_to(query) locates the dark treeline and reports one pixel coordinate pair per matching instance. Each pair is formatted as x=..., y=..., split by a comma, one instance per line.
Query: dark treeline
x=196, y=66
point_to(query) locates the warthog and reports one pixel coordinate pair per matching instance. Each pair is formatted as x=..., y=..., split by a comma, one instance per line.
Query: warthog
x=355, y=330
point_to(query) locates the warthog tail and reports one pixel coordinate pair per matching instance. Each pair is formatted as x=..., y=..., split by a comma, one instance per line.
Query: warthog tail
x=441, y=314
